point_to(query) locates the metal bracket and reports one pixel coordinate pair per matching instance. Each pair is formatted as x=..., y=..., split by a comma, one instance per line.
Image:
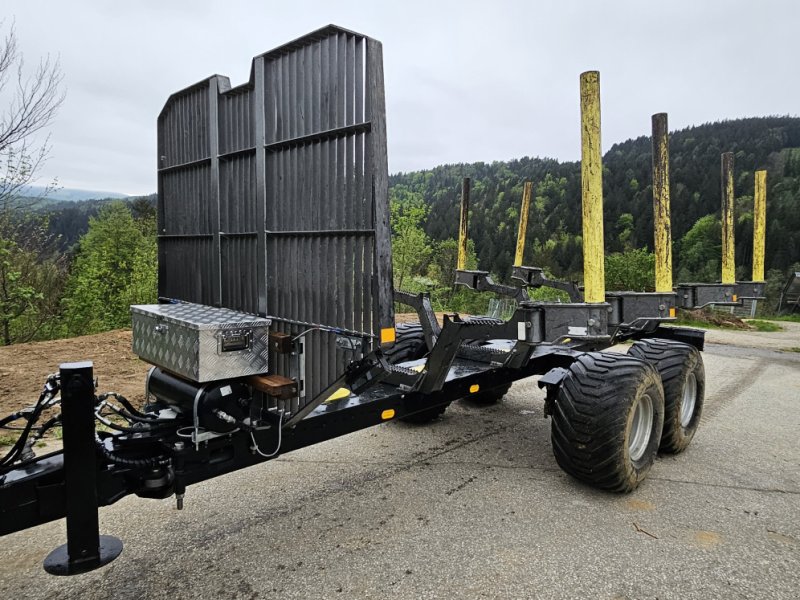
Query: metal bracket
x=481, y=281
x=552, y=380
x=358, y=376
x=573, y=321
x=534, y=277
x=699, y=295
x=640, y=311
x=750, y=290
x=421, y=303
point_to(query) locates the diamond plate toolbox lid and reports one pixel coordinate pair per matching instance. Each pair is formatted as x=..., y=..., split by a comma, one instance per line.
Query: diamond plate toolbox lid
x=201, y=343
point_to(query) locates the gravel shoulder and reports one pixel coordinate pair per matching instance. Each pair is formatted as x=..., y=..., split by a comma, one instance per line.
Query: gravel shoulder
x=784, y=340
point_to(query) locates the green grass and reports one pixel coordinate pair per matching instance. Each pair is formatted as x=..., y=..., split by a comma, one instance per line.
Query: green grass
x=794, y=349
x=7, y=439
x=765, y=326
x=683, y=322
x=790, y=318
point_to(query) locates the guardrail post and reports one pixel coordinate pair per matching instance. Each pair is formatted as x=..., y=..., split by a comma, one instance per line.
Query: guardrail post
x=85, y=549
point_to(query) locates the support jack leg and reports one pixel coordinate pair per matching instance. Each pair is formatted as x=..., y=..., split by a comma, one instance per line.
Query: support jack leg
x=85, y=549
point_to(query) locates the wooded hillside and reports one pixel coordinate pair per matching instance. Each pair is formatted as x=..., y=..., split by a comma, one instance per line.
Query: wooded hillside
x=554, y=231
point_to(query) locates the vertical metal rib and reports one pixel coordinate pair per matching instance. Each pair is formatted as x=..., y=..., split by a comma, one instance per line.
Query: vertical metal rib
x=213, y=153
x=383, y=291
x=260, y=192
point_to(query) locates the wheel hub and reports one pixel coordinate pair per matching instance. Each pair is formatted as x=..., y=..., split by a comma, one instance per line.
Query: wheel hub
x=689, y=400
x=641, y=427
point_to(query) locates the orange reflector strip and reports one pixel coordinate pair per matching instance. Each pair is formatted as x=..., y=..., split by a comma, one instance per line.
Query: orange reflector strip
x=671, y=311
x=387, y=414
x=734, y=297
x=474, y=388
x=387, y=335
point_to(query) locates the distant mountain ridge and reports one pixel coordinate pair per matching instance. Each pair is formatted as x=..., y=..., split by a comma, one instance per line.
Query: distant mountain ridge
x=69, y=194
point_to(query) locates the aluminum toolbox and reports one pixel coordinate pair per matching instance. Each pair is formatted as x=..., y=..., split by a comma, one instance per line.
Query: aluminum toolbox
x=201, y=343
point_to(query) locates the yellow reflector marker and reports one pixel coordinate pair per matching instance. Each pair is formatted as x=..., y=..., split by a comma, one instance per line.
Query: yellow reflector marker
x=387, y=335
x=474, y=388
x=338, y=394
x=671, y=311
x=387, y=414
x=734, y=297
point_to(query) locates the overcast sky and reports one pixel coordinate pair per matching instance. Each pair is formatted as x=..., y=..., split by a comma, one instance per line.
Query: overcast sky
x=465, y=81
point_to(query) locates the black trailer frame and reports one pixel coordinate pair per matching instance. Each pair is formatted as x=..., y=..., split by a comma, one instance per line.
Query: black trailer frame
x=276, y=153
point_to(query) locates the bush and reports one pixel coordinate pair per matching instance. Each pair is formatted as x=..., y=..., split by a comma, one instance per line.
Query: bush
x=632, y=270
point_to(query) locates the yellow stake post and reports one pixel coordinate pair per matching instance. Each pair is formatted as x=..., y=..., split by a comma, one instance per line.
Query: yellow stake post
x=759, y=225
x=661, y=203
x=592, y=189
x=728, y=248
x=463, y=229
x=523, y=223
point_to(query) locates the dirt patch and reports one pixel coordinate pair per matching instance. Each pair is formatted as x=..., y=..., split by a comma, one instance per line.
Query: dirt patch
x=414, y=318
x=24, y=367
x=718, y=319
x=707, y=539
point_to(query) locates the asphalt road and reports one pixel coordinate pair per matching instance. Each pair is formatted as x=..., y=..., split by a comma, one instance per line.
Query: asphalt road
x=474, y=506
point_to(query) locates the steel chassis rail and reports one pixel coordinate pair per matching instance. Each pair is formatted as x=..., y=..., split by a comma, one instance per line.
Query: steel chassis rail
x=35, y=492
x=44, y=489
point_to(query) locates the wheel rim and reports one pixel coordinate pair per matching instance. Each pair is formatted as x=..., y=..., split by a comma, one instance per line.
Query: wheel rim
x=689, y=400
x=641, y=427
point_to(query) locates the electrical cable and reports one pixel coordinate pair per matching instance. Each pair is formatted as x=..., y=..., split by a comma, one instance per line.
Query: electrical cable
x=323, y=328
x=277, y=448
x=127, y=404
x=19, y=445
x=129, y=417
x=122, y=428
x=49, y=424
x=306, y=332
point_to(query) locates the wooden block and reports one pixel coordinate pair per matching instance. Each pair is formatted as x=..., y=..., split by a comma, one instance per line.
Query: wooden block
x=280, y=342
x=276, y=386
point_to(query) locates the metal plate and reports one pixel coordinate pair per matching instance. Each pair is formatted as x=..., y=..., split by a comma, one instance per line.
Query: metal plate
x=273, y=195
